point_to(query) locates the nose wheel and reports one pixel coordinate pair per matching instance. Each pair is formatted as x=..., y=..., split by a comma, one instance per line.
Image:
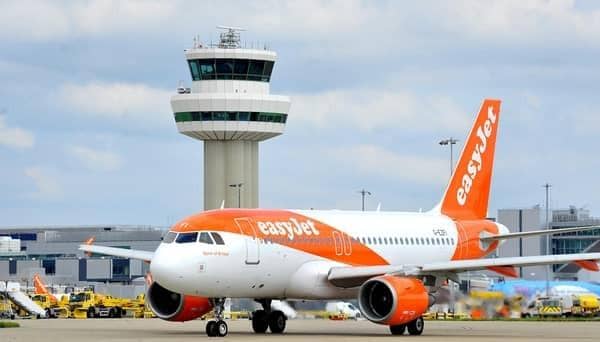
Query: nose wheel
x=218, y=327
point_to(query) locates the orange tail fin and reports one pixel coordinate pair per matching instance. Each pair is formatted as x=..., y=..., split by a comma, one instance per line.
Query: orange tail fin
x=468, y=192
x=40, y=288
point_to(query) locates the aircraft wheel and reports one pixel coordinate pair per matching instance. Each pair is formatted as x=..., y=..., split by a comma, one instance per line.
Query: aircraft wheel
x=416, y=327
x=277, y=320
x=221, y=328
x=259, y=321
x=91, y=312
x=211, y=329
x=397, y=329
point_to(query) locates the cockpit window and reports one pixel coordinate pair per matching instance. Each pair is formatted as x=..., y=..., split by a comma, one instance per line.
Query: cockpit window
x=218, y=238
x=170, y=237
x=205, y=238
x=187, y=237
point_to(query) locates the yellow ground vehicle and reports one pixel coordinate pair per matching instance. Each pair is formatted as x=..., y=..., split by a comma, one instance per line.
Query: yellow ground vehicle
x=6, y=310
x=88, y=304
x=53, y=307
x=585, y=305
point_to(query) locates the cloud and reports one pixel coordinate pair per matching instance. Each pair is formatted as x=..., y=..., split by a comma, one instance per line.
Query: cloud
x=377, y=161
x=368, y=109
x=47, y=186
x=117, y=101
x=72, y=19
x=14, y=136
x=95, y=159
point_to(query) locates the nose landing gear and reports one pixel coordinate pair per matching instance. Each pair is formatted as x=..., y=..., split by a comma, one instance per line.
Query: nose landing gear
x=218, y=327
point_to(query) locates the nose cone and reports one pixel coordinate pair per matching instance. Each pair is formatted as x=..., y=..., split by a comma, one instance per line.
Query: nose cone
x=166, y=269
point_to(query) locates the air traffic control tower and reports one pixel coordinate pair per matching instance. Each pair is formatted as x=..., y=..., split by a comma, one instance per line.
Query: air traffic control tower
x=230, y=108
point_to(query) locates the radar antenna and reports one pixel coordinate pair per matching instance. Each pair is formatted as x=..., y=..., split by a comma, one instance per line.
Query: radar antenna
x=230, y=39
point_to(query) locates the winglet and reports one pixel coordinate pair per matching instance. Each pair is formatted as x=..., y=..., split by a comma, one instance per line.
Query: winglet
x=90, y=241
x=467, y=195
x=222, y=204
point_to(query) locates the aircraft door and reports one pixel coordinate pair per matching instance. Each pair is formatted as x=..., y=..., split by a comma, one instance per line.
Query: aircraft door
x=252, y=242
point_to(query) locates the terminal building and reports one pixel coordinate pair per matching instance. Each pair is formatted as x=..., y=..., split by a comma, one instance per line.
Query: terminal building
x=53, y=253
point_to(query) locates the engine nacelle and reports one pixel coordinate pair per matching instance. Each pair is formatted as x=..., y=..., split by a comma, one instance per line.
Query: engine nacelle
x=392, y=300
x=175, y=307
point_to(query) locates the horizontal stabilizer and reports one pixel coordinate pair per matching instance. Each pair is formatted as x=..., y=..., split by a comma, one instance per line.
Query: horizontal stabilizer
x=537, y=233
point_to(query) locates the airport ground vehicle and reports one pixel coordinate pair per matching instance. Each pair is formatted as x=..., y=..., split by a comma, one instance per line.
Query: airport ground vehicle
x=585, y=305
x=88, y=304
x=342, y=309
x=393, y=263
x=54, y=308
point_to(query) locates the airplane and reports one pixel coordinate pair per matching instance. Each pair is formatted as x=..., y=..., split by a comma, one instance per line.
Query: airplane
x=531, y=288
x=394, y=263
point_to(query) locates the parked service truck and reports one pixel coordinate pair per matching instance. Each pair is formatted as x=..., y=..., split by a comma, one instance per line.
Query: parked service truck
x=342, y=310
x=88, y=304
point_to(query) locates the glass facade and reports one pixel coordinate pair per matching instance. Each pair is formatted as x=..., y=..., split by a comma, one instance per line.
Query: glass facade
x=120, y=268
x=231, y=116
x=230, y=69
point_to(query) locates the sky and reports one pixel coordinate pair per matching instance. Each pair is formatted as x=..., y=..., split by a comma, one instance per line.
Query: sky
x=87, y=135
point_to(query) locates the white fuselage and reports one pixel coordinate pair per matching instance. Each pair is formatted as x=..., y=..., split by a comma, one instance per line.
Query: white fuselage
x=247, y=267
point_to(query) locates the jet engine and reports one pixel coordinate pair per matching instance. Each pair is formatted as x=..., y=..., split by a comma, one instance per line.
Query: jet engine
x=176, y=307
x=392, y=300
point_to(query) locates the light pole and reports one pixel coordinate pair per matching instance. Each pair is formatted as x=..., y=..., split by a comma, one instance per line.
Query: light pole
x=364, y=192
x=239, y=190
x=547, y=186
x=450, y=141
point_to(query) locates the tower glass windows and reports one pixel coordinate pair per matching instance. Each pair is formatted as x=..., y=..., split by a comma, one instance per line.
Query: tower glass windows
x=231, y=116
x=227, y=69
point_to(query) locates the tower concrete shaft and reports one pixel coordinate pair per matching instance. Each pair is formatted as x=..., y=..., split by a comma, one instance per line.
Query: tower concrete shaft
x=230, y=108
x=226, y=165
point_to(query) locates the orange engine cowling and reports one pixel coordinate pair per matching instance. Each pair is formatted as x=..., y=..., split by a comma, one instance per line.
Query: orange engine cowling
x=392, y=300
x=176, y=307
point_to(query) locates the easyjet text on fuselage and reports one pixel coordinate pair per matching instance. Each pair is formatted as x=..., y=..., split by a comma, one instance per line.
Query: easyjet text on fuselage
x=290, y=228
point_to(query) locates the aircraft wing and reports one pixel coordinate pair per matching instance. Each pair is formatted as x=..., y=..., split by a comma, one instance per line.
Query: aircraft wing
x=355, y=276
x=119, y=252
x=537, y=233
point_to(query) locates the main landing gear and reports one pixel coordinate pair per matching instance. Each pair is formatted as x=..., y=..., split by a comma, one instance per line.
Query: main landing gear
x=218, y=327
x=266, y=318
x=414, y=328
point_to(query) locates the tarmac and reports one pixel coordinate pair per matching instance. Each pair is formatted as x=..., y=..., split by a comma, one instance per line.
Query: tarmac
x=67, y=330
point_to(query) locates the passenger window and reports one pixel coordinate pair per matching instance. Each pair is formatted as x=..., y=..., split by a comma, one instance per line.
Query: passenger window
x=218, y=239
x=427, y=239
x=170, y=237
x=417, y=240
x=205, y=238
x=412, y=241
x=380, y=241
x=422, y=241
x=187, y=237
x=396, y=240
x=385, y=241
